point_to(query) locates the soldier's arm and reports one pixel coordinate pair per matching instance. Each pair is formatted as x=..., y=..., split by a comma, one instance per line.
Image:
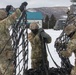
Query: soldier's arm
x=47, y=38
x=66, y=53
x=11, y=18
x=44, y=35
x=70, y=48
x=30, y=37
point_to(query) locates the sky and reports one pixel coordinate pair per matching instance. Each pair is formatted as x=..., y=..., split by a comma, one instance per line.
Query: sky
x=35, y=3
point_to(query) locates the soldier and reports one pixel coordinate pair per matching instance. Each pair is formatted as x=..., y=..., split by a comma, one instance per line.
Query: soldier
x=36, y=37
x=70, y=30
x=6, y=62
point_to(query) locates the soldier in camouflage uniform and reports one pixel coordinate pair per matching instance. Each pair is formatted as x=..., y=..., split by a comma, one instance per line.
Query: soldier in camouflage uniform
x=70, y=30
x=35, y=39
x=6, y=61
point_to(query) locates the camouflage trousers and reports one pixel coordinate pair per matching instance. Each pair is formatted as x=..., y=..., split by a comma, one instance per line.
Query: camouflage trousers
x=36, y=63
x=73, y=72
x=6, y=63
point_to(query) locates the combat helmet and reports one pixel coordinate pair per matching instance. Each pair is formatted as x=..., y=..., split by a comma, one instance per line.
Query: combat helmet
x=70, y=29
x=33, y=26
x=3, y=14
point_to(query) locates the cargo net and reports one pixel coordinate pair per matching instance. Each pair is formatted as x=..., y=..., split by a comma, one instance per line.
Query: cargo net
x=61, y=45
x=20, y=46
x=21, y=49
x=19, y=34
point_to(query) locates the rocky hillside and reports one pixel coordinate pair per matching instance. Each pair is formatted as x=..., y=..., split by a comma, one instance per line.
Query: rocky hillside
x=57, y=11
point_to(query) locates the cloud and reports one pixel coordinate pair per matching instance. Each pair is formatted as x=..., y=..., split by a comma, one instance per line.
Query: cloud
x=35, y=3
x=48, y=3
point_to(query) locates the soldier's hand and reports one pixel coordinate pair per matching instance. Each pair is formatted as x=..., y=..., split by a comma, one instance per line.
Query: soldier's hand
x=62, y=53
x=23, y=5
x=57, y=43
x=65, y=53
x=8, y=8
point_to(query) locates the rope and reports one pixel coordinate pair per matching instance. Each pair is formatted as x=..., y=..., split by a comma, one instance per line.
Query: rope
x=44, y=56
x=17, y=29
x=13, y=60
x=62, y=72
x=52, y=57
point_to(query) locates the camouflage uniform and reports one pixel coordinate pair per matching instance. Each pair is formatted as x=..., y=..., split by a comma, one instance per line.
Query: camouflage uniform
x=71, y=47
x=37, y=44
x=6, y=54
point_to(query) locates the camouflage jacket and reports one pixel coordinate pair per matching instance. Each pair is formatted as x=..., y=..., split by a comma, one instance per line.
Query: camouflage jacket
x=71, y=47
x=37, y=45
x=4, y=25
x=7, y=53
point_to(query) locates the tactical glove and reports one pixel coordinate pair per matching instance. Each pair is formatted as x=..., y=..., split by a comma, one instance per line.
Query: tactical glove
x=23, y=5
x=44, y=36
x=8, y=8
x=40, y=32
x=65, y=53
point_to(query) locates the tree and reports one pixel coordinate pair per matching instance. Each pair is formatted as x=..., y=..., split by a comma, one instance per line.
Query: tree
x=46, y=18
x=45, y=24
x=52, y=21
